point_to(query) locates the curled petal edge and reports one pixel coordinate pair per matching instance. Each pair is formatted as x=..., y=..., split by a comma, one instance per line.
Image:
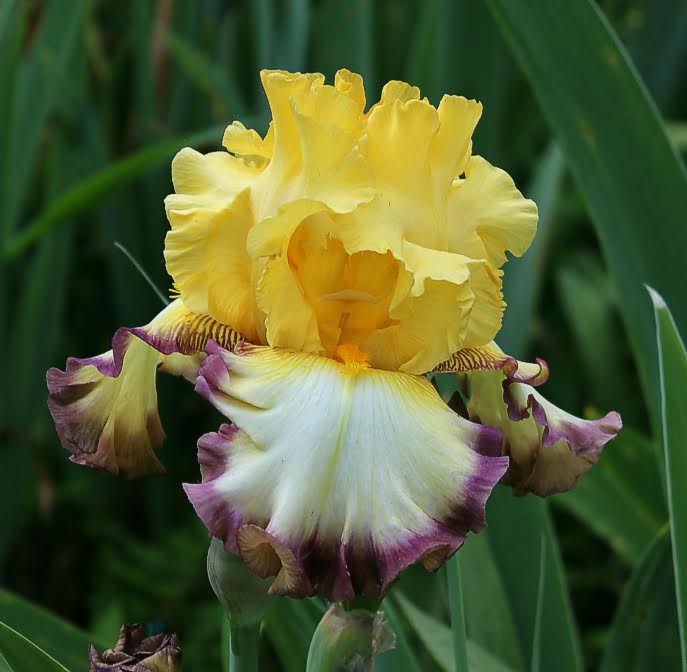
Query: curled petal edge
x=491, y=358
x=549, y=448
x=317, y=537
x=105, y=407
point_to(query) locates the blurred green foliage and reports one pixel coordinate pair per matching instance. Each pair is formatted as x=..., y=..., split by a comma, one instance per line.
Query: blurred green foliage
x=95, y=98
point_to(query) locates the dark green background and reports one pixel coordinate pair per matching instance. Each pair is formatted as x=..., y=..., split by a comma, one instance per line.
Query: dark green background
x=95, y=98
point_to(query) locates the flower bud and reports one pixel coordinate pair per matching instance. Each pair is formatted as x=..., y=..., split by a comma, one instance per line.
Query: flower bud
x=349, y=641
x=242, y=593
x=134, y=652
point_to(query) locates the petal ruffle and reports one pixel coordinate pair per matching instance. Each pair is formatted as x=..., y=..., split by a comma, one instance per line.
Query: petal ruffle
x=336, y=477
x=205, y=250
x=316, y=165
x=549, y=449
x=105, y=407
x=488, y=216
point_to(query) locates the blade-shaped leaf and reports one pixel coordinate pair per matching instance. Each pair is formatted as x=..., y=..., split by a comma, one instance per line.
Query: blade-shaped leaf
x=22, y=655
x=44, y=71
x=455, y=597
x=516, y=529
x=488, y=614
x=438, y=639
x=94, y=189
x=644, y=633
x=616, y=147
x=672, y=359
x=621, y=498
x=56, y=637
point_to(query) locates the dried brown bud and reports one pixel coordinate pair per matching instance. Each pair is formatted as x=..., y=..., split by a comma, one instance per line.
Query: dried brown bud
x=134, y=652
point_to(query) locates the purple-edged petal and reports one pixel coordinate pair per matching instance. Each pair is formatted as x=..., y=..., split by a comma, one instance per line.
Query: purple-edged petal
x=105, y=407
x=549, y=448
x=336, y=477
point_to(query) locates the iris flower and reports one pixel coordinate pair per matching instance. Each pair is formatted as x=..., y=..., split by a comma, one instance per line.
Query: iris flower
x=320, y=272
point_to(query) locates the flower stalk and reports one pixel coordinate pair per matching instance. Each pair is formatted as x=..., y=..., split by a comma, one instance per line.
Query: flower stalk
x=244, y=648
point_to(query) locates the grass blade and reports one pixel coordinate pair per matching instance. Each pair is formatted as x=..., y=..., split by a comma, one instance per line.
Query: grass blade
x=516, y=527
x=22, y=655
x=43, y=70
x=141, y=270
x=539, y=617
x=523, y=278
x=620, y=498
x=672, y=359
x=438, y=640
x=604, y=119
x=644, y=633
x=488, y=615
x=96, y=188
x=56, y=637
x=455, y=598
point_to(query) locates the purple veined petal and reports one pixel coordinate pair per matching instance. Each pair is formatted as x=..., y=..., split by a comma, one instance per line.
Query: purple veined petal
x=335, y=478
x=549, y=448
x=491, y=358
x=105, y=407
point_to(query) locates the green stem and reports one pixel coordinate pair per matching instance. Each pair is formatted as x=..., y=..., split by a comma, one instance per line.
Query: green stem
x=455, y=596
x=243, y=648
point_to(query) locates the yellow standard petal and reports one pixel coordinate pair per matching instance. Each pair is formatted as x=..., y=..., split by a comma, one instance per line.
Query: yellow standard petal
x=205, y=250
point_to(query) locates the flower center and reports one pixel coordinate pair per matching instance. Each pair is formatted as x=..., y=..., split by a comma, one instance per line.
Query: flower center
x=352, y=356
x=349, y=294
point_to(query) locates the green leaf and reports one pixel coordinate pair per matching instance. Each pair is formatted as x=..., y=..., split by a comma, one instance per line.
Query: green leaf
x=517, y=526
x=44, y=71
x=539, y=616
x=672, y=360
x=604, y=122
x=524, y=276
x=56, y=637
x=402, y=658
x=455, y=600
x=644, y=632
x=488, y=615
x=621, y=498
x=22, y=655
x=344, y=37
x=281, y=33
x=96, y=188
x=290, y=625
x=211, y=83
x=439, y=641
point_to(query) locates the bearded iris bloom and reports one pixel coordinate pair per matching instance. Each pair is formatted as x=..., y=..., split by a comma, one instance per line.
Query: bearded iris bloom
x=321, y=272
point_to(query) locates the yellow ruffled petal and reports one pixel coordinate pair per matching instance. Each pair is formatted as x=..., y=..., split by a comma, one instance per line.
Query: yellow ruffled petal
x=488, y=215
x=247, y=143
x=346, y=473
x=295, y=328
x=316, y=165
x=207, y=182
x=205, y=250
x=452, y=144
x=341, y=227
x=351, y=84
